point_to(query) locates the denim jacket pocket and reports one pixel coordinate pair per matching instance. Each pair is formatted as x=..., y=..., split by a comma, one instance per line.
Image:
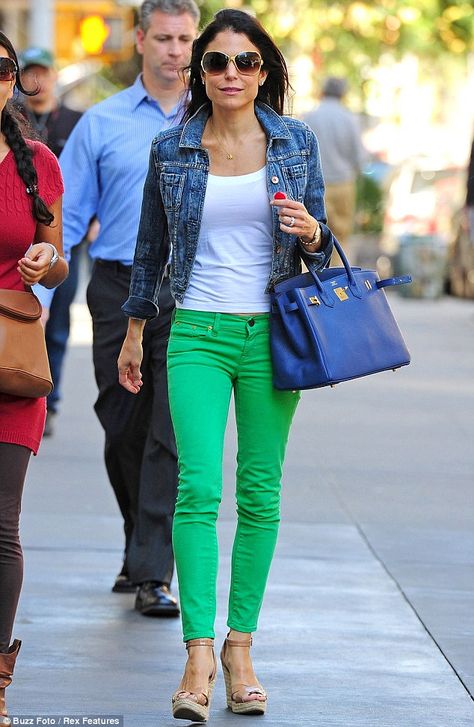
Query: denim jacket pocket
x=296, y=180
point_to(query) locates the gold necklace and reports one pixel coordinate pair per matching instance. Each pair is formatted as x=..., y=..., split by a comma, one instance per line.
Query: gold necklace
x=228, y=154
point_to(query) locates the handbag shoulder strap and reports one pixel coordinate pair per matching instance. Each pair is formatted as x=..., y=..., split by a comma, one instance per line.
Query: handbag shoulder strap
x=400, y=280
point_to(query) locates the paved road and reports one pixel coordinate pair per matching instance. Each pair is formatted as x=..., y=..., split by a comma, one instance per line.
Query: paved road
x=369, y=615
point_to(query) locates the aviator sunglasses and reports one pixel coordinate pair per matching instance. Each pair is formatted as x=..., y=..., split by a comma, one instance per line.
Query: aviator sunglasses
x=248, y=63
x=8, y=69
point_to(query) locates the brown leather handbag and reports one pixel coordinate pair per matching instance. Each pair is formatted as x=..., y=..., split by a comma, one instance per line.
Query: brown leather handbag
x=24, y=366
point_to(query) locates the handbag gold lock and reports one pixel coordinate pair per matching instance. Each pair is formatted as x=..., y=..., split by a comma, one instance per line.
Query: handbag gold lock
x=341, y=293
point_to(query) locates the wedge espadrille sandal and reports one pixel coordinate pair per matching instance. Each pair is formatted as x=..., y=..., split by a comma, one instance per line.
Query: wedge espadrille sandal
x=236, y=691
x=194, y=705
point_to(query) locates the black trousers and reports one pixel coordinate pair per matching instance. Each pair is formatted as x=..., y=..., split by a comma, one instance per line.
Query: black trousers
x=13, y=465
x=140, y=448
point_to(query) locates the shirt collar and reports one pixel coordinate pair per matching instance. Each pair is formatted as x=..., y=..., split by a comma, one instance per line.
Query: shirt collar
x=138, y=94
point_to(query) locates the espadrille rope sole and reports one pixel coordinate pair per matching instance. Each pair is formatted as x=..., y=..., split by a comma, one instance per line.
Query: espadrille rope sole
x=187, y=708
x=254, y=706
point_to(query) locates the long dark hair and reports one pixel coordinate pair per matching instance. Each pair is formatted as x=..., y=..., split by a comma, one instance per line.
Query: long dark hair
x=273, y=92
x=11, y=128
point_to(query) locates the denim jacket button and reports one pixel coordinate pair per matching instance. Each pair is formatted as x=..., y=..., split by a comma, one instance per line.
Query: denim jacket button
x=275, y=179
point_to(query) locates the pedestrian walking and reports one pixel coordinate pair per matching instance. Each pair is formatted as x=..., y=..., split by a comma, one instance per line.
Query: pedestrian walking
x=52, y=121
x=209, y=202
x=470, y=194
x=30, y=252
x=342, y=155
x=104, y=164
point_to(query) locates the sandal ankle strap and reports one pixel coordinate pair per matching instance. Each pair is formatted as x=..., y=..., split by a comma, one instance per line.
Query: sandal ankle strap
x=232, y=642
x=199, y=642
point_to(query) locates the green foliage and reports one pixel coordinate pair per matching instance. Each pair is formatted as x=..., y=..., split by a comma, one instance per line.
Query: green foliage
x=369, y=205
x=348, y=36
x=208, y=10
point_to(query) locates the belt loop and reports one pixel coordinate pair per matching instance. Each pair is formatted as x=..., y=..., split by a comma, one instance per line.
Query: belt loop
x=217, y=320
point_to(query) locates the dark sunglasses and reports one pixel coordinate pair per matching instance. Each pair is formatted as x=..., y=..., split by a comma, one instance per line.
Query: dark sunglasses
x=8, y=69
x=248, y=63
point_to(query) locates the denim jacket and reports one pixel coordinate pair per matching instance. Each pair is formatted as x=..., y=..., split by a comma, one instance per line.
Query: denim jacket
x=173, y=200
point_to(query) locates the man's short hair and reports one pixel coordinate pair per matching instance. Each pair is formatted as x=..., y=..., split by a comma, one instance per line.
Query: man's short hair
x=171, y=7
x=335, y=87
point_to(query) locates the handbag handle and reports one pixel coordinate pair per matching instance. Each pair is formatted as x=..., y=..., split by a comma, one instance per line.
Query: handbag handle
x=398, y=280
x=350, y=277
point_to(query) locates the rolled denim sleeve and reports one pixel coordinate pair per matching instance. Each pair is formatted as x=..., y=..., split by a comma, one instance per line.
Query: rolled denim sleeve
x=314, y=203
x=152, y=249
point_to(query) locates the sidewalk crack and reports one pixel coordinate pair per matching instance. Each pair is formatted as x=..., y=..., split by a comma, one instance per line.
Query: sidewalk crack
x=398, y=586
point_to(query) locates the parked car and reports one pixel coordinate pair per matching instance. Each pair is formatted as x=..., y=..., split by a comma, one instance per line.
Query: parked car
x=423, y=197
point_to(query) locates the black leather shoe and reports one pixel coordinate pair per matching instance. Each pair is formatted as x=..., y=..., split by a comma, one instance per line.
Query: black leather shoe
x=155, y=599
x=123, y=584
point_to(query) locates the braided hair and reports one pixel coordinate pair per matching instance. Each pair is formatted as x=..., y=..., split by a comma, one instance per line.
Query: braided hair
x=11, y=127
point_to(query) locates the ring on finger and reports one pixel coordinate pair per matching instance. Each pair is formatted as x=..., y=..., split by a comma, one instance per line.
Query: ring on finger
x=291, y=222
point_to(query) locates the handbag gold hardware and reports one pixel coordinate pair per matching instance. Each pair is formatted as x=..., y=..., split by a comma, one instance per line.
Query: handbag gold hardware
x=341, y=293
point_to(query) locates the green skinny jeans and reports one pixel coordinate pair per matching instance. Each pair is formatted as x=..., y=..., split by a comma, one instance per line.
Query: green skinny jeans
x=209, y=356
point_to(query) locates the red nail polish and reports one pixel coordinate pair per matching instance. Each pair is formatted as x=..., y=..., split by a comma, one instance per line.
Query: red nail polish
x=279, y=195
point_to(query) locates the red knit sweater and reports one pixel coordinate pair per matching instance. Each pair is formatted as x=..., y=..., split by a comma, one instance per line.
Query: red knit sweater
x=21, y=419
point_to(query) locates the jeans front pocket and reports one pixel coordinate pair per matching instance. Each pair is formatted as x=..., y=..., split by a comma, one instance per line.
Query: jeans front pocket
x=190, y=329
x=186, y=336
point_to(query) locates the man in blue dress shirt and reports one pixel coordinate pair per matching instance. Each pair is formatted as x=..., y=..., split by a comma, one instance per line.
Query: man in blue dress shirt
x=104, y=164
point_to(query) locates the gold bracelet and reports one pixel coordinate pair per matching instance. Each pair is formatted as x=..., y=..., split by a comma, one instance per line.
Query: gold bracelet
x=315, y=239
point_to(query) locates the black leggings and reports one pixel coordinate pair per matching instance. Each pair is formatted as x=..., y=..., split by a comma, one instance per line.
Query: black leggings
x=13, y=465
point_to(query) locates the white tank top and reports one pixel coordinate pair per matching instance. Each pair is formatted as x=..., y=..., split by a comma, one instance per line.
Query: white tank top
x=234, y=250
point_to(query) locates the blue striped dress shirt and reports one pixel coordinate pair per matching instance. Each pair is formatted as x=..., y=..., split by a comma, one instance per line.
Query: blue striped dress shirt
x=104, y=165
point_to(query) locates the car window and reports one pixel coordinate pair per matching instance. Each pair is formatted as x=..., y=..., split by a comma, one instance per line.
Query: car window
x=427, y=178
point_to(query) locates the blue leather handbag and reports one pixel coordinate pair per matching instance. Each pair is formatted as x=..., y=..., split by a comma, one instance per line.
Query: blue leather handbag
x=333, y=326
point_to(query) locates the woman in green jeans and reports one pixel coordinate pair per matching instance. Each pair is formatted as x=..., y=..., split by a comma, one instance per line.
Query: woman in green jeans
x=210, y=219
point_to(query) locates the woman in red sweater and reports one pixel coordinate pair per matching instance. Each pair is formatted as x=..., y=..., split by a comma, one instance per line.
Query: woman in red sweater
x=30, y=252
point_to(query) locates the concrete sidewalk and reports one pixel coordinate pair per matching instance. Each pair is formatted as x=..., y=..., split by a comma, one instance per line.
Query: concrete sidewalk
x=369, y=613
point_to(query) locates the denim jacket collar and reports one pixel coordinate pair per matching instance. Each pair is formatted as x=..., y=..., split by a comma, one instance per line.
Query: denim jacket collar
x=272, y=124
